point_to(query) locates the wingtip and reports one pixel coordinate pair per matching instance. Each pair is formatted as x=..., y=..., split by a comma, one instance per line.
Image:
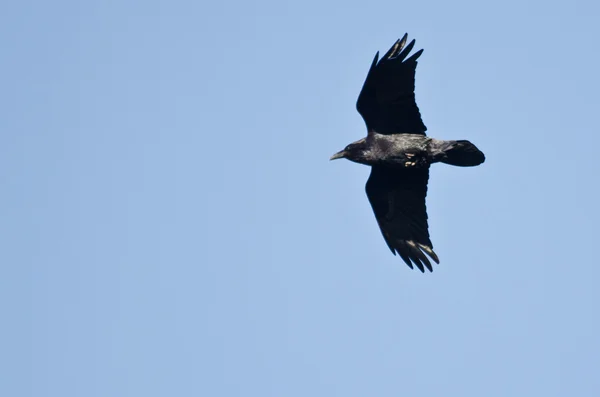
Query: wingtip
x=400, y=50
x=414, y=56
x=419, y=265
x=390, y=53
x=398, y=46
x=412, y=252
x=375, y=59
x=430, y=252
x=405, y=258
x=418, y=255
x=404, y=38
x=406, y=51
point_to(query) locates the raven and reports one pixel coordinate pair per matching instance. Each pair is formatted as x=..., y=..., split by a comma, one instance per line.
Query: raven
x=400, y=153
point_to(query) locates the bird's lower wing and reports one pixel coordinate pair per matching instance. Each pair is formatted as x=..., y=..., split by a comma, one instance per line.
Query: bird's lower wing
x=398, y=200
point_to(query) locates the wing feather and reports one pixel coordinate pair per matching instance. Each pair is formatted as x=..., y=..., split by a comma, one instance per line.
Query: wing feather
x=397, y=197
x=387, y=100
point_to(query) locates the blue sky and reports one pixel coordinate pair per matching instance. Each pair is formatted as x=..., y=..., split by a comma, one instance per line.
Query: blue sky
x=171, y=224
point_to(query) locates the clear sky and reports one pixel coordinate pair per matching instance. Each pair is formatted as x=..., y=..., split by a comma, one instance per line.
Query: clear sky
x=171, y=224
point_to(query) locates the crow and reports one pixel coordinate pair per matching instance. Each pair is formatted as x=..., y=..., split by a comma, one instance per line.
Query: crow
x=400, y=153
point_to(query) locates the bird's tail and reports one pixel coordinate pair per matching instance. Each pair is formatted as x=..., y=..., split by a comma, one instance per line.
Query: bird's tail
x=460, y=153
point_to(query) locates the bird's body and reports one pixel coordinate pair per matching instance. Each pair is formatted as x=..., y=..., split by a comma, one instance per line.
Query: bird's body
x=393, y=150
x=400, y=154
x=411, y=151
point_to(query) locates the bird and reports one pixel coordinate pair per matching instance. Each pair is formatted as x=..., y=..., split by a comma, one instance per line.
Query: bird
x=400, y=153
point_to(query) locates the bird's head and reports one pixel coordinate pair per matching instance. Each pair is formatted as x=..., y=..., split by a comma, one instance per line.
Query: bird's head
x=356, y=151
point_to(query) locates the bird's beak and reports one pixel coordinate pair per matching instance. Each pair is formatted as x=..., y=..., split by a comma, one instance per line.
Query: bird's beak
x=339, y=155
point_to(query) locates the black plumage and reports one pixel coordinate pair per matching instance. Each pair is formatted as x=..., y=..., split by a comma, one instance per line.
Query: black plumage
x=400, y=153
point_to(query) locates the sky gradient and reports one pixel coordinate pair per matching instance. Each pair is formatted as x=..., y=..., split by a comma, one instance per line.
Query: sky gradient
x=172, y=225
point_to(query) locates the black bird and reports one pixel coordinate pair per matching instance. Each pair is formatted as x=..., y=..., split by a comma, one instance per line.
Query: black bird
x=400, y=154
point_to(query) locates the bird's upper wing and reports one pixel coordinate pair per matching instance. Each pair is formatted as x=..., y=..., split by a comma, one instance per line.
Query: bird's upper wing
x=398, y=200
x=387, y=99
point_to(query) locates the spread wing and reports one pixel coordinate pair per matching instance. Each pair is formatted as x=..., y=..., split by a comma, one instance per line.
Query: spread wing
x=387, y=99
x=398, y=200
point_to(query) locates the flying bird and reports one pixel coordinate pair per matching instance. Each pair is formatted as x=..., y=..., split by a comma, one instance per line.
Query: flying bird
x=400, y=154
